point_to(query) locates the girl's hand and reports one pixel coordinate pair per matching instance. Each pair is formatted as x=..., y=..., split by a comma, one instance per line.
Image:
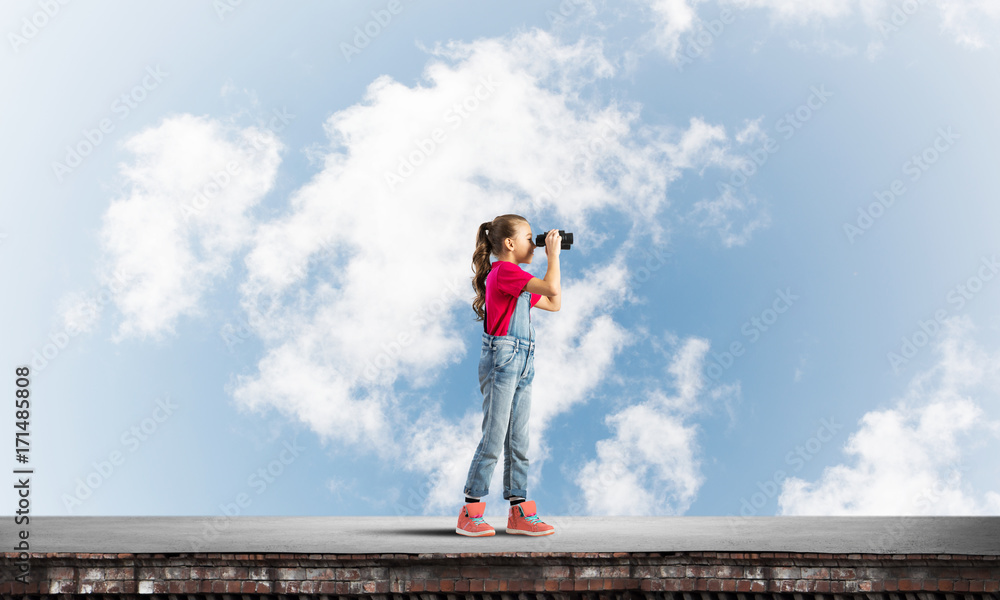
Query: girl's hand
x=553, y=243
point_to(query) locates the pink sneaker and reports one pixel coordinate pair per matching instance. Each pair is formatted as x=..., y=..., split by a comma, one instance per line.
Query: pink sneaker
x=523, y=520
x=470, y=520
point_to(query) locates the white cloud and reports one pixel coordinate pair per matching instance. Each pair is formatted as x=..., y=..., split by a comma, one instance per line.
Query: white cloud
x=797, y=11
x=650, y=465
x=973, y=23
x=672, y=18
x=183, y=213
x=381, y=239
x=360, y=292
x=970, y=23
x=720, y=213
x=921, y=456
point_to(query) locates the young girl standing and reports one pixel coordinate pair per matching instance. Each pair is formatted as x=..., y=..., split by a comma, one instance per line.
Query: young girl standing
x=505, y=294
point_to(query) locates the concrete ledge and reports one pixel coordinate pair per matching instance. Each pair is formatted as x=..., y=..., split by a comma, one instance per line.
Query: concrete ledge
x=422, y=558
x=366, y=535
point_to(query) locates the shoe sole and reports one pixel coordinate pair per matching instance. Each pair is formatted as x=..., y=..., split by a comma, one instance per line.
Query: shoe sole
x=522, y=532
x=473, y=533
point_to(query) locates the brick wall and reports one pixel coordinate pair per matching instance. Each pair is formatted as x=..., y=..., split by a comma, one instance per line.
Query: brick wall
x=522, y=575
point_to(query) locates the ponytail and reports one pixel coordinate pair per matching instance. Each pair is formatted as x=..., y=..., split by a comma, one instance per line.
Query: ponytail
x=490, y=236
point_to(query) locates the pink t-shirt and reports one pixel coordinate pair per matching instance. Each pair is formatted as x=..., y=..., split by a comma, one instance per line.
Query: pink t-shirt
x=504, y=284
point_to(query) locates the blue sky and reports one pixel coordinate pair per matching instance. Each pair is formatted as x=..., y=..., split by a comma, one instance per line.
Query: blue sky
x=781, y=297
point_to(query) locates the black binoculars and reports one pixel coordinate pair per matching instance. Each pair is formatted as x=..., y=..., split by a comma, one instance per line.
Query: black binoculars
x=567, y=240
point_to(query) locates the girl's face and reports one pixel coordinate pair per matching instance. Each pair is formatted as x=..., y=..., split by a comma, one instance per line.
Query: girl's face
x=524, y=245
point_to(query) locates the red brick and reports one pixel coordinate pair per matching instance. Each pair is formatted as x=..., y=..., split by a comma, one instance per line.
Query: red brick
x=446, y=585
x=728, y=585
x=715, y=585
x=330, y=587
x=961, y=586
x=976, y=585
x=823, y=587
x=743, y=585
x=909, y=585
x=758, y=586
x=566, y=585
x=993, y=585
x=477, y=585
x=580, y=585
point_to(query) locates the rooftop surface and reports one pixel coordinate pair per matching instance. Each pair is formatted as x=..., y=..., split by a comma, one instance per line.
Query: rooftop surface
x=416, y=535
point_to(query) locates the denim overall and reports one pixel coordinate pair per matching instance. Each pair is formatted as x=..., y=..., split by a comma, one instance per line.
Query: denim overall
x=506, y=369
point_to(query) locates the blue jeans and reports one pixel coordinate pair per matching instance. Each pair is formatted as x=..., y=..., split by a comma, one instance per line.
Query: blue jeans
x=506, y=370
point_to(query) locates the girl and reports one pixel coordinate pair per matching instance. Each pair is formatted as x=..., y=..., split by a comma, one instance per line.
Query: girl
x=505, y=294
